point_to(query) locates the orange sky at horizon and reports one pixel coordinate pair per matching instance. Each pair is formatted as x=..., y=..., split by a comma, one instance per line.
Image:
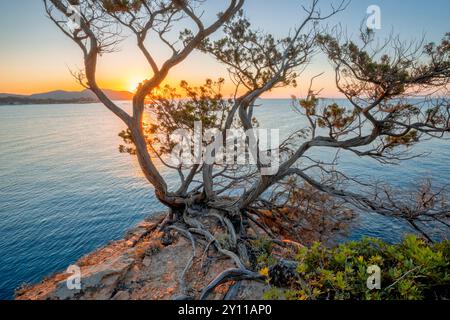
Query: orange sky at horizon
x=43, y=63
x=128, y=72
x=131, y=84
x=37, y=57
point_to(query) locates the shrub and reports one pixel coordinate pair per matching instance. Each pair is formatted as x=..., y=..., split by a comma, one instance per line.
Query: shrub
x=411, y=270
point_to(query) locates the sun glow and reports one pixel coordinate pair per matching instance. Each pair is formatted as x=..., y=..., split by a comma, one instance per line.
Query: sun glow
x=133, y=85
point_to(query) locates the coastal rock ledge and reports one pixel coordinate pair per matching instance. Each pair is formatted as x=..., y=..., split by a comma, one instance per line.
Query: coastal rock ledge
x=142, y=266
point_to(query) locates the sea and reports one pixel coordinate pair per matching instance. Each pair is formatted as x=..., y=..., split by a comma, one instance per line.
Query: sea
x=65, y=190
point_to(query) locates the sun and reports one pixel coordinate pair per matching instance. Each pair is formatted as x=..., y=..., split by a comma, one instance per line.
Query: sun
x=133, y=84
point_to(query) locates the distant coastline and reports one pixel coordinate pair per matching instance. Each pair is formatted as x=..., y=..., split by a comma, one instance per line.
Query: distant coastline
x=62, y=97
x=13, y=101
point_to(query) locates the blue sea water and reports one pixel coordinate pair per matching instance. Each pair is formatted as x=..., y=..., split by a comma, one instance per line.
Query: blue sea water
x=65, y=190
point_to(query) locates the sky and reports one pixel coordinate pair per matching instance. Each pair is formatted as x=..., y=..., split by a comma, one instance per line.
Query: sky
x=36, y=57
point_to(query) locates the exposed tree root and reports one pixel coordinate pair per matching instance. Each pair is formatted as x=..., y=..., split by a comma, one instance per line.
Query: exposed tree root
x=260, y=224
x=183, y=286
x=205, y=253
x=230, y=275
x=198, y=225
x=204, y=226
x=219, y=248
x=209, y=229
x=233, y=292
x=168, y=219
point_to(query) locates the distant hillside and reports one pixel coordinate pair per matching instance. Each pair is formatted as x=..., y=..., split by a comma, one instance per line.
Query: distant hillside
x=7, y=95
x=12, y=100
x=61, y=97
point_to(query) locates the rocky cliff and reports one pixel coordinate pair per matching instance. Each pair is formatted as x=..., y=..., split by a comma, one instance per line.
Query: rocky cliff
x=142, y=266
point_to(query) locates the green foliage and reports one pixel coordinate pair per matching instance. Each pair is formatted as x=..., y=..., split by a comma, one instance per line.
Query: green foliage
x=255, y=58
x=333, y=117
x=336, y=117
x=374, y=74
x=127, y=137
x=174, y=109
x=411, y=270
x=115, y=6
x=378, y=83
x=170, y=109
x=262, y=249
x=404, y=140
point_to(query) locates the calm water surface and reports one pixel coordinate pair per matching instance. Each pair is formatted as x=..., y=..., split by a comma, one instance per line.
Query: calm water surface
x=65, y=190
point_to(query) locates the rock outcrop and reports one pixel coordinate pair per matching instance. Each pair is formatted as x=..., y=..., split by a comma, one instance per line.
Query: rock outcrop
x=142, y=266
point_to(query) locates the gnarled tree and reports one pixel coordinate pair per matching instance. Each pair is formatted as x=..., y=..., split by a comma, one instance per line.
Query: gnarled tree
x=379, y=121
x=95, y=29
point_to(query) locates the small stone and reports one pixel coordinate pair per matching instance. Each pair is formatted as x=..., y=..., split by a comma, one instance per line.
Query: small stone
x=147, y=261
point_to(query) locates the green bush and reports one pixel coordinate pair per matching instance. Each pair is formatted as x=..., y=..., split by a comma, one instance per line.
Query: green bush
x=411, y=270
